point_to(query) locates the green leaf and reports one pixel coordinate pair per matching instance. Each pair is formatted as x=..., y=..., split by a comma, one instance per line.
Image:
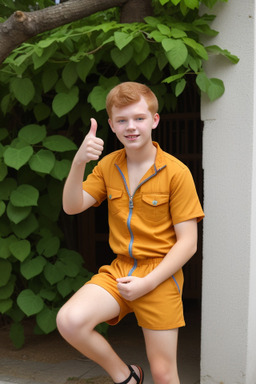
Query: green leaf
x=84, y=66
x=33, y=267
x=148, y=67
x=216, y=89
x=157, y=36
x=121, y=58
x=54, y=273
x=180, y=86
x=61, y=169
x=8, y=289
x=4, y=246
x=59, y=143
x=46, y=319
x=122, y=39
x=198, y=48
x=65, y=286
x=164, y=29
x=17, y=335
x=17, y=157
x=69, y=74
x=2, y=208
x=5, y=305
x=48, y=246
x=41, y=111
x=42, y=161
x=20, y=249
x=63, y=103
x=202, y=81
x=192, y=4
x=23, y=90
x=49, y=79
x=178, y=53
x=97, y=98
x=32, y=133
x=41, y=56
x=153, y=21
x=24, y=196
x=48, y=294
x=26, y=227
x=213, y=87
x=29, y=302
x=141, y=56
x=224, y=52
x=3, y=170
x=170, y=79
x=17, y=214
x=5, y=272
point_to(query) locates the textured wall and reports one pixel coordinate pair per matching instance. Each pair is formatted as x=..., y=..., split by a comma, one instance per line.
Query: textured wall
x=229, y=160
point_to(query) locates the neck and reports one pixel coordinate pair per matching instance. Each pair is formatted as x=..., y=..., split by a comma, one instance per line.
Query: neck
x=141, y=155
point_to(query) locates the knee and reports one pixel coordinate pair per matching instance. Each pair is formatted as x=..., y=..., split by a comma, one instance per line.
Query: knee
x=164, y=373
x=69, y=321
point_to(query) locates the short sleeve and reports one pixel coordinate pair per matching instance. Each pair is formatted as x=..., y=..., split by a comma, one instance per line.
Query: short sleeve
x=184, y=201
x=95, y=185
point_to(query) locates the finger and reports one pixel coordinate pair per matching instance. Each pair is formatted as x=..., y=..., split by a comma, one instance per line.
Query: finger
x=93, y=129
x=124, y=280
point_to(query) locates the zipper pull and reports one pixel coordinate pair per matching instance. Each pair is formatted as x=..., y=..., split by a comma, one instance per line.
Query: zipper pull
x=130, y=203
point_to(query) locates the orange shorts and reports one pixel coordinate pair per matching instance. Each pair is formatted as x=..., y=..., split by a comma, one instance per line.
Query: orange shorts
x=160, y=309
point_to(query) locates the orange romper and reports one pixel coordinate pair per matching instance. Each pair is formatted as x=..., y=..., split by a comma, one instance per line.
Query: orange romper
x=141, y=231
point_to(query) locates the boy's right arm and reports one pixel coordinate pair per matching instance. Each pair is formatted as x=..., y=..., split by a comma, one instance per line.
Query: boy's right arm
x=75, y=199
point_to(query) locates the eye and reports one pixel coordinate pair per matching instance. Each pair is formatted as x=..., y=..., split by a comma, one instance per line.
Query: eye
x=140, y=118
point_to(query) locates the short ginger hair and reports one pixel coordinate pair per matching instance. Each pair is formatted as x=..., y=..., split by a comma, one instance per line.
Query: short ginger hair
x=128, y=93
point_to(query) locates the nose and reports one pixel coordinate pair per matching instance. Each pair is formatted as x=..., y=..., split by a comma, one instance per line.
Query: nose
x=131, y=124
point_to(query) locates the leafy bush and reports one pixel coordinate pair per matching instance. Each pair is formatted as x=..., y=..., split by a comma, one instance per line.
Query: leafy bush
x=49, y=89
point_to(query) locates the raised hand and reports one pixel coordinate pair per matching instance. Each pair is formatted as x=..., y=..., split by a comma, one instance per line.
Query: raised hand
x=92, y=146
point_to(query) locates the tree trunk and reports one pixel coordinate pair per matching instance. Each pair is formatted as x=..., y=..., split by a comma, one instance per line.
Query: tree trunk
x=135, y=11
x=23, y=25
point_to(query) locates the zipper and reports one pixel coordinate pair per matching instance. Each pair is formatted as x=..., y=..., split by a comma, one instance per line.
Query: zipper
x=131, y=206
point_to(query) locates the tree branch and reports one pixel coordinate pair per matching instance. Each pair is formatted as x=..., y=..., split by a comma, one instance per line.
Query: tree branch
x=21, y=26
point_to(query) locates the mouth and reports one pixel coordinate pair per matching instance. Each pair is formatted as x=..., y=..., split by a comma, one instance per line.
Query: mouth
x=131, y=137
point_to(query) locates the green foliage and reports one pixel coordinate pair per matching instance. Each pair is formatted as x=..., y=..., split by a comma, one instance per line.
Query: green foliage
x=49, y=89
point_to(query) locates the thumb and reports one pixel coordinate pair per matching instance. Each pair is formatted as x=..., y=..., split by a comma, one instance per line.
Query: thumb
x=93, y=129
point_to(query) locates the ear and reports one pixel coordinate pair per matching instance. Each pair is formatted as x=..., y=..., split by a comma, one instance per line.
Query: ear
x=156, y=119
x=111, y=125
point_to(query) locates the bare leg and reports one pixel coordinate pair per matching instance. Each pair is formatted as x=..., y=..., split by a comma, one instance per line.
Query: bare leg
x=76, y=320
x=162, y=355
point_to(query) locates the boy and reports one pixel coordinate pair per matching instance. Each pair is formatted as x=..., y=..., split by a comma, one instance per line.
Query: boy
x=153, y=213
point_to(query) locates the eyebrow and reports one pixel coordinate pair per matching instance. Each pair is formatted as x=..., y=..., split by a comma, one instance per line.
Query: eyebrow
x=136, y=115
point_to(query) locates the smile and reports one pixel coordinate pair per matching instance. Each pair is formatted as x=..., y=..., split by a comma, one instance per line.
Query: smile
x=131, y=137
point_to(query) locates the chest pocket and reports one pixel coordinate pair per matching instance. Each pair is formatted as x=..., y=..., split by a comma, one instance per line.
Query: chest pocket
x=155, y=207
x=115, y=203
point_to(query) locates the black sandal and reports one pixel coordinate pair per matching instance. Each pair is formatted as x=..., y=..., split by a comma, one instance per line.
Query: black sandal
x=133, y=374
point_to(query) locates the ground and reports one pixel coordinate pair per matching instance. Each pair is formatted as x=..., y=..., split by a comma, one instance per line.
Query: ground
x=52, y=349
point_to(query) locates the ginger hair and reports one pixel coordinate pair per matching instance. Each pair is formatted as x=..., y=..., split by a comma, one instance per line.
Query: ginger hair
x=128, y=93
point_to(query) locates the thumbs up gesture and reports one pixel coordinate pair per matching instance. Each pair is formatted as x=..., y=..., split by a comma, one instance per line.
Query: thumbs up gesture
x=92, y=146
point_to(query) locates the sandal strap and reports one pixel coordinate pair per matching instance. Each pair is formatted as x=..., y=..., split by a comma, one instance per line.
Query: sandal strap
x=138, y=379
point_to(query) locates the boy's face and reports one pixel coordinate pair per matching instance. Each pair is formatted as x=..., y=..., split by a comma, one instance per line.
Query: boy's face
x=133, y=124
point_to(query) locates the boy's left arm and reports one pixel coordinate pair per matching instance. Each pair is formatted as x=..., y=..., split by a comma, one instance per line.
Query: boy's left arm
x=131, y=287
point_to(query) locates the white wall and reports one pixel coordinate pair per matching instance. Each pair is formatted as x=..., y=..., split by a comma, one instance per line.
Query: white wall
x=228, y=347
